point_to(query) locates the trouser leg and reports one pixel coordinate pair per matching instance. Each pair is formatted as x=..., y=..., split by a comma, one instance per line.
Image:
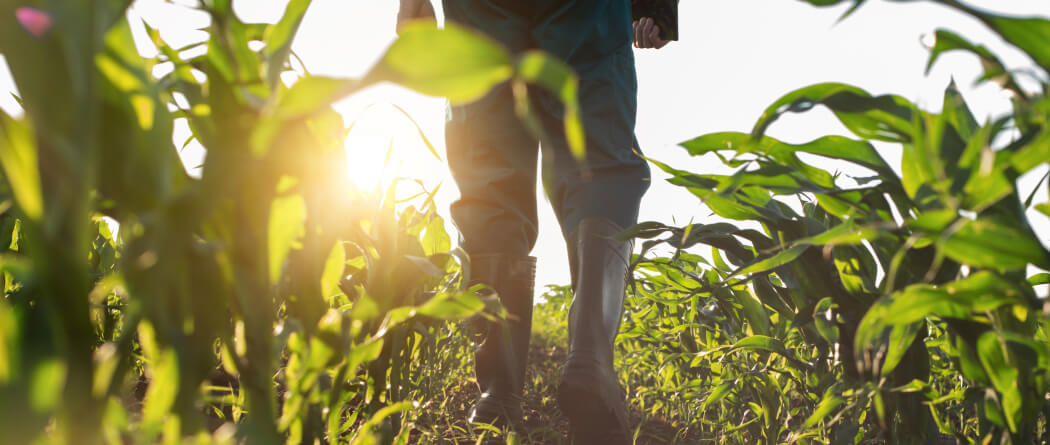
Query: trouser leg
x=495, y=170
x=594, y=201
x=491, y=154
x=611, y=181
x=493, y=160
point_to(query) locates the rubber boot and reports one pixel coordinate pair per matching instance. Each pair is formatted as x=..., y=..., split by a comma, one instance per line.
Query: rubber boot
x=500, y=359
x=589, y=392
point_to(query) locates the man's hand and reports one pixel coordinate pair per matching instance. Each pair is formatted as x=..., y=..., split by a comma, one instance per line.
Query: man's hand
x=647, y=34
x=414, y=10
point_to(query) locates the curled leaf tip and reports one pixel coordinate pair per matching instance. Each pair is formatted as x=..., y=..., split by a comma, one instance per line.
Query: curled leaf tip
x=34, y=21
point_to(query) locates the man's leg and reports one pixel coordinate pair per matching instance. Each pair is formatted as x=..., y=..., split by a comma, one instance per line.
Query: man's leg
x=493, y=160
x=594, y=201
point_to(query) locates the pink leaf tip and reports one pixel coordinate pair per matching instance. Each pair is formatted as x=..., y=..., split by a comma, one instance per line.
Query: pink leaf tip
x=35, y=21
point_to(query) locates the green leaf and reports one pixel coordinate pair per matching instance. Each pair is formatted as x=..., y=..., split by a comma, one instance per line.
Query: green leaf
x=10, y=345
x=308, y=96
x=719, y=393
x=846, y=233
x=45, y=388
x=422, y=136
x=986, y=187
x=435, y=238
x=992, y=411
x=823, y=3
x=363, y=353
x=287, y=215
x=556, y=76
x=841, y=204
x=643, y=230
x=451, y=306
x=162, y=390
x=333, y=270
x=760, y=343
x=426, y=266
x=218, y=60
x=781, y=258
x=754, y=311
x=827, y=406
x=1003, y=374
x=163, y=370
x=994, y=69
x=933, y=221
x=825, y=327
x=18, y=158
x=366, y=433
x=279, y=40
x=980, y=292
x=1043, y=208
x=983, y=242
x=451, y=62
x=913, y=386
x=1030, y=34
x=1033, y=154
x=885, y=118
x=990, y=244
x=901, y=338
x=957, y=113
x=777, y=179
x=700, y=186
x=138, y=163
x=969, y=364
x=1039, y=278
x=246, y=62
x=856, y=268
x=768, y=344
x=836, y=147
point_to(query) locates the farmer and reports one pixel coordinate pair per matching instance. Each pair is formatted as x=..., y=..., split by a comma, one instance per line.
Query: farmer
x=493, y=160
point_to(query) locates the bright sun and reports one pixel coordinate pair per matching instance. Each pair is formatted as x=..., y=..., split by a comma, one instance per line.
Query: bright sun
x=385, y=144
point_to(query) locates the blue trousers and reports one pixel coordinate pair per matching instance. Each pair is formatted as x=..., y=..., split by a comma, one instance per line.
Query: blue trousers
x=493, y=157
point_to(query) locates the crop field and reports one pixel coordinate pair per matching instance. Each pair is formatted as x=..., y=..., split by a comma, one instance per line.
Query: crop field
x=269, y=300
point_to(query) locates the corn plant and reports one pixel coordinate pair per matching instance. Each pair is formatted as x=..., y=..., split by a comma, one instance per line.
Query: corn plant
x=870, y=307
x=263, y=300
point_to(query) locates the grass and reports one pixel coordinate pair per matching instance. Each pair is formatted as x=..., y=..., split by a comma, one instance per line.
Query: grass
x=443, y=420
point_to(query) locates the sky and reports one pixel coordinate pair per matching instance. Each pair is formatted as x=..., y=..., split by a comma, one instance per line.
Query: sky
x=734, y=58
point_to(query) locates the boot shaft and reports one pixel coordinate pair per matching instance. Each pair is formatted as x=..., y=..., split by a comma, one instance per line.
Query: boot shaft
x=589, y=391
x=502, y=353
x=511, y=277
x=599, y=266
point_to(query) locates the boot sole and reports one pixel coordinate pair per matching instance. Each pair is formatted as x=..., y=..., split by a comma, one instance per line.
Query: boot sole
x=589, y=410
x=581, y=408
x=495, y=413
